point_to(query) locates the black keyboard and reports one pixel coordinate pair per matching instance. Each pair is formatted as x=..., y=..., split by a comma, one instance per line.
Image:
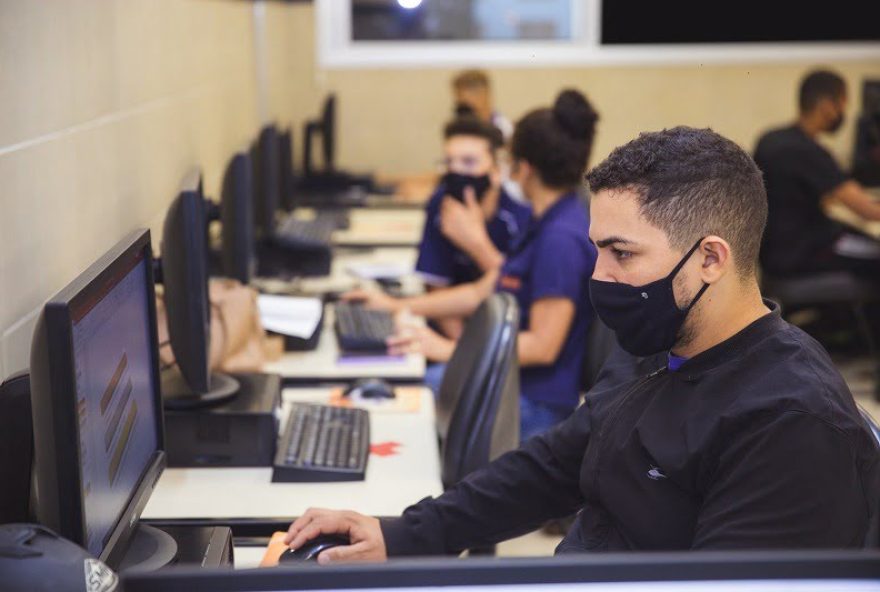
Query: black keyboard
x=359, y=329
x=323, y=443
x=315, y=233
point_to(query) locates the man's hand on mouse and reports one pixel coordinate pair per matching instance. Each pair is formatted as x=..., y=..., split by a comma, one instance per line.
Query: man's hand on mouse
x=373, y=299
x=364, y=532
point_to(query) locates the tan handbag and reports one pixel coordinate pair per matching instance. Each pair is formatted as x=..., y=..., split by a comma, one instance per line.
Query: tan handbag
x=238, y=340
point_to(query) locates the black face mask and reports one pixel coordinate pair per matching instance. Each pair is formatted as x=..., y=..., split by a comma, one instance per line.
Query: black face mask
x=463, y=109
x=646, y=318
x=454, y=184
x=835, y=125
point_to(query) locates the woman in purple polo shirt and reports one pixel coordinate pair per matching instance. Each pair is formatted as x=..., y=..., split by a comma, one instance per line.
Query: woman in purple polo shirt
x=547, y=270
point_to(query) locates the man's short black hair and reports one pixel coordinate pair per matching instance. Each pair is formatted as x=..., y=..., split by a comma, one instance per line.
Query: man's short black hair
x=692, y=183
x=470, y=125
x=818, y=85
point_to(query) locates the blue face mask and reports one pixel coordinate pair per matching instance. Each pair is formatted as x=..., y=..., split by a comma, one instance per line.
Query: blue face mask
x=646, y=318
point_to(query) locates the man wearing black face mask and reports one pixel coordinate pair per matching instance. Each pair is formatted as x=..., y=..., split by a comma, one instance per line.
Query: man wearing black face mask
x=802, y=179
x=717, y=426
x=471, y=186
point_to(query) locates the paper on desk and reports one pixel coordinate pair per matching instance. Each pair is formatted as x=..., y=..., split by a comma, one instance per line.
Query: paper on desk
x=373, y=271
x=290, y=315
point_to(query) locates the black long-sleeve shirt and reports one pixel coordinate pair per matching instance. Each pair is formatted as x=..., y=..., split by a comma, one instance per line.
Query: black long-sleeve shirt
x=754, y=443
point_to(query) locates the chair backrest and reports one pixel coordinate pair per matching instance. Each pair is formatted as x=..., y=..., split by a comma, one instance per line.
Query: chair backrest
x=872, y=540
x=478, y=403
x=600, y=342
x=16, y=449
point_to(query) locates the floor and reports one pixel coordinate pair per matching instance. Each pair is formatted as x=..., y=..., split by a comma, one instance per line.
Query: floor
x=859, y=375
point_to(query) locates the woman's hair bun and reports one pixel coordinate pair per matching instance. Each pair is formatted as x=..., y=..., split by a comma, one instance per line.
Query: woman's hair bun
x=574, y=114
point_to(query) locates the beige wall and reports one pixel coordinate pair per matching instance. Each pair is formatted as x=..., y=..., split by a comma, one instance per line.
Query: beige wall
x=104, y=104
x=391, y=119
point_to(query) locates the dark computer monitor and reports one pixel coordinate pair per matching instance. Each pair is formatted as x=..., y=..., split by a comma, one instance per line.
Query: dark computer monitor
x=96, y=406
x=238, y=251
x=325, y=129
x=767, y=571
x=267, y=172
x=287, y=174
x=190, y=383
x=866, y=155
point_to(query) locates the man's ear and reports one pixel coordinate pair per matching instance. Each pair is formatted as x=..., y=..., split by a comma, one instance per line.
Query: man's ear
x=715, y=258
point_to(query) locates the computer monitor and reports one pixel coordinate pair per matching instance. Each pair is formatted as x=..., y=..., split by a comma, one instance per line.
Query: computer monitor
x=190, y=383
x=866, y=153
x=96, y=407
x=238, y=251
x=267, y=181
x=287, y=174
x=769, y=571
x=325, y=127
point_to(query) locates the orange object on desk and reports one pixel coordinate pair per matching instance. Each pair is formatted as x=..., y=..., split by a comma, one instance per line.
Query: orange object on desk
x=407, y=399
x=274, y=550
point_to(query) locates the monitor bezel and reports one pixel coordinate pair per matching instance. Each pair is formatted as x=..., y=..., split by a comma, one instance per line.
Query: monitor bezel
x=60, y=500
x=565, y=569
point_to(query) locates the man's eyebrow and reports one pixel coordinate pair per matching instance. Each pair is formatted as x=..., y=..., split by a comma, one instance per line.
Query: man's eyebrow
x=612, y=240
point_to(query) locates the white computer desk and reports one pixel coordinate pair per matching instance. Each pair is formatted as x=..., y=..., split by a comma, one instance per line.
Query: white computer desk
x=839, y=212
x=243, y=495
x=381, y=227
x=323, y=364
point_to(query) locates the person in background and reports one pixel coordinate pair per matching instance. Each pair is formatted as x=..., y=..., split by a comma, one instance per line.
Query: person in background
x=802, y=178
x=716, y=425
x=470, y=190
x=472, y=93
x=548, y=270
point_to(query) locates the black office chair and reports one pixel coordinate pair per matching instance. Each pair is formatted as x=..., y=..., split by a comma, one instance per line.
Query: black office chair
x=478, y=403
x=829, y=288
x=872, y=539
x=16, y=449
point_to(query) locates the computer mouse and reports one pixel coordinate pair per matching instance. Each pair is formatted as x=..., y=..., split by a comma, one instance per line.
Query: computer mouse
x=370, y=388
x=311, y=549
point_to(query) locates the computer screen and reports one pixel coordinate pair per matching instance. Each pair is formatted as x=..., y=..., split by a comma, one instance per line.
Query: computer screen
x=114, y=396
x=96, y=401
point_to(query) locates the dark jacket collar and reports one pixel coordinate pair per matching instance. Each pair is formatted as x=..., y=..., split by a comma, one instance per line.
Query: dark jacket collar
x=737, y=345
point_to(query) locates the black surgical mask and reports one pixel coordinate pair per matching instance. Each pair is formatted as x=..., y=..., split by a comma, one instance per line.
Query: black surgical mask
x=646, y=318
x=454, y=184
x=835, y=125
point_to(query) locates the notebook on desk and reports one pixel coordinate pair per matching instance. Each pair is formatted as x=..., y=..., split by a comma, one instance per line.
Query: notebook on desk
x=298, y=320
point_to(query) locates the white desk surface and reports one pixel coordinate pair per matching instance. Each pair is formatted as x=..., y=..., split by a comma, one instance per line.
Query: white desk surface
x=369, y=227
x=323, y=364
x=247, y=557
x=392, y=482
x=844, y=215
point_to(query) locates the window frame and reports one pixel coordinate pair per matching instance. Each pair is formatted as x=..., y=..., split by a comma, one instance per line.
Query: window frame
x=336, y=50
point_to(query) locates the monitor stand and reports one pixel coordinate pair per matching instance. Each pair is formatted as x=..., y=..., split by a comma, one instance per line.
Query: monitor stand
x=154, y=547
x=148, y=550
x=177, y=395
